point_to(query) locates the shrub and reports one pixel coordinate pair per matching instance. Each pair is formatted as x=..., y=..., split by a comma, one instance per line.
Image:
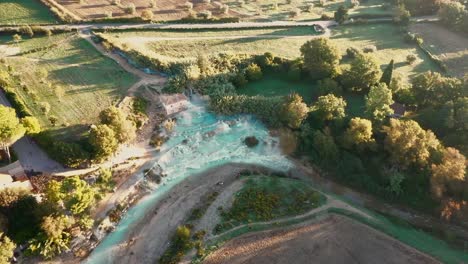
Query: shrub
x=410, y=59
x=253, y=72
x=188, y=5
x=352, y=52
x=369, y=49
x=329, y=86
x=175, y=84
x=206, y=14
x=147, y=14
x=130, y=9
x=295, y=13
x=239, y=80
x=115, y=2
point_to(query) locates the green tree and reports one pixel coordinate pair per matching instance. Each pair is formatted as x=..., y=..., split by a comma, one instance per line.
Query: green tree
x=387, y=75
x=326, y=147
x=321, y=57
x=125, y=130
x=31, y=124
x=329, y=86
x=294, y=111
x=364, y=73
x=402, y=15
x=378, y=102
x=54, y=238
x=409, y=144
x=359, y=134
x=341, y=14
x=6, y=248
x=329, y=107
x=72, y=195
x=104, y=142
x=433, y=89
x=10, y=128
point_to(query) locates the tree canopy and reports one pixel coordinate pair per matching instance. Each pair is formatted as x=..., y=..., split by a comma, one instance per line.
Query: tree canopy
x=321, y=57
x=359, y=134
x=364, y=73
x=409, y=144
x=378, y=102
x=329, y=107
x=115, y=118
x=10, y=128
x=294, y=111
x=104, y=142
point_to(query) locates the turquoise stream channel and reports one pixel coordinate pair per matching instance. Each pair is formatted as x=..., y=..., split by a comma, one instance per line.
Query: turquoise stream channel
x=200, y=141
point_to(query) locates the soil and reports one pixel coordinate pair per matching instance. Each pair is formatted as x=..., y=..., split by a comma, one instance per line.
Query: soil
x=330, y=240
x=163, y=11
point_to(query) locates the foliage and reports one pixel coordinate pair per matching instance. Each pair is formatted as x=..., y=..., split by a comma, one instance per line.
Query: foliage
x=402, y=15
x=433, y=89
x=329, y=107
x=31, y=124
x=321, y=57
x=24, y=216
x=263, y=198
x=294, y=111
x=364, y=73
x=140, y=105
x=104, y=180
x=329, y=86
x=341, y=14
x=452, y=14
x=180, y=244
x=6, y=248
x=265, y=108
x=387, y=75
x=54, y=237
x=324, y=144
x=378, y=102
x=103, y=140
x=409, y=144
x=69, y=154
x=175, y=84
x=10, y=128
x=253, y=72
x=117, y=120
x=359, y=134
x=72, y=195
x=448, y=173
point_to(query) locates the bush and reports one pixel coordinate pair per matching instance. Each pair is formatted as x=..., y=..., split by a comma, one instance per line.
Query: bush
x=352, y=52
x=410, y=59
x=253, y=72
x=175, y=84
x=239, y=80
x=130, y=9
x=206, y=14
x=329, y=86
x=71, y=155
x=369, y=49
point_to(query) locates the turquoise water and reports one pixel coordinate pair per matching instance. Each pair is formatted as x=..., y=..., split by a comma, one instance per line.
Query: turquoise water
x=200, y=141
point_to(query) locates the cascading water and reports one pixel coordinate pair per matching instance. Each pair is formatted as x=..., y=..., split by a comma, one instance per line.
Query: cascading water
x=200, y=141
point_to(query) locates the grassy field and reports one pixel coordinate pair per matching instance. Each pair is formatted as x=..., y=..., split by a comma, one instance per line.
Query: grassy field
x=449, y=46
x=24, y=12
x=274, y=85
x=390, y=45
x=73, y=78
x=169, y=44
x=263, y=198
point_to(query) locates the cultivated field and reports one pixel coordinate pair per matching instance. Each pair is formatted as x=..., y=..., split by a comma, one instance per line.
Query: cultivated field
x=163, y=10
x=332, y=240
x=24, y=12
x=450, y=47
x=259, y=10
x=73, y=78
x=390, y=45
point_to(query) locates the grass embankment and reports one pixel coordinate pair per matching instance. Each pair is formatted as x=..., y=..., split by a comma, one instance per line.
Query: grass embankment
x=74, y=79
x=264, y=198
x=13, y=12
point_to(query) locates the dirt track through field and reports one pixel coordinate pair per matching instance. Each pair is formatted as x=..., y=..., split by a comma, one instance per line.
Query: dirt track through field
x=335, y=239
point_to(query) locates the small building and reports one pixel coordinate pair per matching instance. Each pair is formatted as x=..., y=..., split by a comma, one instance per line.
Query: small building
x=399, y=110
x=13, y=176
x=174, y=103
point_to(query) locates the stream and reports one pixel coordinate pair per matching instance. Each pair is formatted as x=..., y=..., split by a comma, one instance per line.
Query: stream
x=200, y=141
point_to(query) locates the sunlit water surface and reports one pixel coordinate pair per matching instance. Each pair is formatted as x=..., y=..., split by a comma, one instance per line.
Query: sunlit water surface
x=200, y=141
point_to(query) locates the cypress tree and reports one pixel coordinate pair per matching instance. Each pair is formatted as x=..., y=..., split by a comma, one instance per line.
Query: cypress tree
x=388, y=73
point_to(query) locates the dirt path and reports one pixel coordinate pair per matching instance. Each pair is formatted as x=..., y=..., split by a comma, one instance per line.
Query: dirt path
x=333, y=239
